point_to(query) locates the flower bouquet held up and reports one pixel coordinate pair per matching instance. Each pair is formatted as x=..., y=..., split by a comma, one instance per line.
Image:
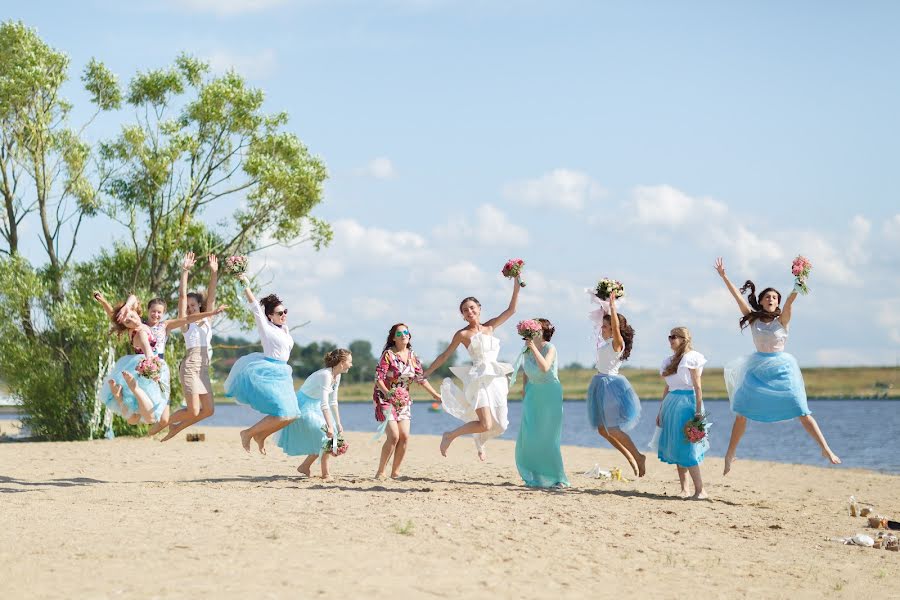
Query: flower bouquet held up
x=513, y=268
x=800, y=269
x=606, y=286
x=529, y=329
x=697, y=428
x=337, y=445
x=236, y=265
x=151, y=368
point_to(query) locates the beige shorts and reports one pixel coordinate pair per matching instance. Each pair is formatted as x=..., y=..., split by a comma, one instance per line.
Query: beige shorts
x=193, y=372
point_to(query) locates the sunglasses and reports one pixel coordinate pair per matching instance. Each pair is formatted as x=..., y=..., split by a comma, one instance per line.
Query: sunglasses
x=401, y=332
x=278, y=313
x=676, y=337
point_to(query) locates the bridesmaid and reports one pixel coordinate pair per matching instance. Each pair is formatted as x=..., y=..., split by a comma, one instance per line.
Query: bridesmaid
x=320, y=418
x=538, y=456
x=264, y=380
x=398, y=368
x=682, y=400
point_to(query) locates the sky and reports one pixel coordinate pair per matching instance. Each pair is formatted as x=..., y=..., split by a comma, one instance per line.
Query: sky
x=633, y=140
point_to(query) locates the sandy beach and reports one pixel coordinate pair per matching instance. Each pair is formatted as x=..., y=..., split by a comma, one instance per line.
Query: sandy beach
x=134, y=518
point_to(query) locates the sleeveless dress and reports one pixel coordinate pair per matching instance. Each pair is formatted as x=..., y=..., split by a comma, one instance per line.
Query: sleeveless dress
x=767, y=385
x=538, y=457
x=484, y=385
x=264, y=380
x=679, y=407
x=165, y=377
x=129, y=363
x=611, y=401
x=304, y=436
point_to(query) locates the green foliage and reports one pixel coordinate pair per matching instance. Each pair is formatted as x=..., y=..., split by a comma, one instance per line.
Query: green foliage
x=444, y=369
x=364, y=363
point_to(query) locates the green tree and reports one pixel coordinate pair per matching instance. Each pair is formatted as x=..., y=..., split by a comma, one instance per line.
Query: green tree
x=364, y=362
x=444, y=370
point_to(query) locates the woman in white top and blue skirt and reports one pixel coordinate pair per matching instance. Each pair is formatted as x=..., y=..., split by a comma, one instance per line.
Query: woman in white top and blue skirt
x=613, y=406
x=320, y=418
x=766, y=386
x=682, y=401
x=264, y=380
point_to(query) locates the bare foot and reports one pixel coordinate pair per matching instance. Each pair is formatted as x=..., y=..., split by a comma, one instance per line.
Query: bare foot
x=327, y=477
x=129, y=379
x=303, y=471
x=261, y=442
x=482, y=455
x=157, y=427
x=684, y=493
x=642, y=465
x=174, y=429
x=729, y=459
x=380, y=476
x=245, y=440
x=445, y=444
x=396, y=476
x=700, y=496
x=831, y=456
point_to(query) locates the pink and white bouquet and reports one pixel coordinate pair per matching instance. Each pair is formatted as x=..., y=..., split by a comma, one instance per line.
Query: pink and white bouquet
x=529, y=329
x=800, y=269
x=236, y=265
x=399, y=398
x=513, y=268
x=606, y=287
x=338, y=439
x=150, y=367
x=697, y=428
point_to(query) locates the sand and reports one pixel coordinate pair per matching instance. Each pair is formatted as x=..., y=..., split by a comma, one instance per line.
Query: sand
x=134, y=518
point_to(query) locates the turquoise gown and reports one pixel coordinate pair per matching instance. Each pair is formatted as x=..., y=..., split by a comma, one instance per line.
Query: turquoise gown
x=538, y=456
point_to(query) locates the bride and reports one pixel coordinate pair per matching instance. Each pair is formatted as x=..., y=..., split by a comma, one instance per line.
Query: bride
x=482, y=401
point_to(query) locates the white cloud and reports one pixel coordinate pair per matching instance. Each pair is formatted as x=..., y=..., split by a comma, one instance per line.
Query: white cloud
x=889, y=318
x=226, y=8
x=358, y=244
x=460, y=275
x=891, y=228
x=841, y=357
x=368, y=308
x=829, y=265
x=561, y=188
x=716, y=304
x=380, y=168
x=490, y=228
x=255, y=66
x=663, y=205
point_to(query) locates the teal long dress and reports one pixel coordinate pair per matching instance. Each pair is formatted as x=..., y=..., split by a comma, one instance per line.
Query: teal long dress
x=538, y=456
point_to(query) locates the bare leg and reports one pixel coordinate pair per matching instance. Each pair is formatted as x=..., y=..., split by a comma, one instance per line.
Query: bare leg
x=737, y=432
x=263, y=429
x=199, y=408
x=812, y=428
x=625, y=439
x=326, y=456
x=393, y=434
x=400, y=450
x=682, y=478
x=161, y=424
x=617, y=440
x=145, y=407
x=484, y=423
x=699, y=492
x=307, y=463
x=116, y=390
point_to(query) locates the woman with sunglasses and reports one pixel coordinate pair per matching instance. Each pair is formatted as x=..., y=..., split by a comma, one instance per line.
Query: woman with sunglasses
x=264, y=380
x=682, y=401
x=399, y=366
x=766, y=386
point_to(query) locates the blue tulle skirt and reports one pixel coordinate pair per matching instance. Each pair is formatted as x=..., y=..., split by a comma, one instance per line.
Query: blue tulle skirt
x=304, y=436
x=767, y=387
x=612, y=403
x=129, y=363
x=679, y=407
x=265, y=384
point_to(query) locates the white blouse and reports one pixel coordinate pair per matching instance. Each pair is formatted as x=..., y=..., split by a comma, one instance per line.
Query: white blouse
x=681, y=379
x=322, y=384
x=608, y=360
x=161, y=334
x=276, y=341
x=769, y=337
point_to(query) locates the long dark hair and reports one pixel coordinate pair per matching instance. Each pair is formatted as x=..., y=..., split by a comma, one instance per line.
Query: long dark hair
x=758, y=312
x=627, y=333
x=269, y=303
x=389, y=344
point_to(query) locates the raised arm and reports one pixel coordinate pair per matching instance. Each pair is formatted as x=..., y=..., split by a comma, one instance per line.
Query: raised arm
x=213, y=282
x=543, y=362
x=186, y=266
x=742, y=304
x=618, y=342
x=510, y=310
x=442, y=358
x=176, y=323
x=788, y=307
x=107, y=307
x=248, y=293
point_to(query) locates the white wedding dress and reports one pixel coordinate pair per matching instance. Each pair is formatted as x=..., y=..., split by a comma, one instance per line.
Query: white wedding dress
x=485, y=384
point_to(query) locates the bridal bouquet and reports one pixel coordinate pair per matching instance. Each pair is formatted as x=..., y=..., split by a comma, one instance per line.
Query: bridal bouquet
x=399, y=398
x=697, y=428
x=150, y=367
x=606, y=286
x=529, y=329
x=329, y=444
x=801, y=268
x=236, y=265
x=513, y=268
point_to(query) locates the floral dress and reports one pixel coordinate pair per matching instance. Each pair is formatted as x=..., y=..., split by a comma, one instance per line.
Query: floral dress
x=394, y=373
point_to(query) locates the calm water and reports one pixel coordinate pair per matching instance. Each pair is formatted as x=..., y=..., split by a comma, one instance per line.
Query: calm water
x=863, y=433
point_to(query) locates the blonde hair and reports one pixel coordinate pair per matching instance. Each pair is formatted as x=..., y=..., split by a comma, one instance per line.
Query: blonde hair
x=675, y=359
x=336, y=357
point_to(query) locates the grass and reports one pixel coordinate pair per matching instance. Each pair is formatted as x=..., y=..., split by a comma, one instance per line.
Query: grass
x=404, y=529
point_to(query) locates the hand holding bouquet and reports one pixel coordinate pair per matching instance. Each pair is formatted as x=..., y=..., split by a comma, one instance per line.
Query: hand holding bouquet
x=336, y=445
x=150, y=367
x=800, y=269
x=236, y=265
x=606, y=287
x=399, y=398
x=529, y=329
x=513, y=268
x=697, y=428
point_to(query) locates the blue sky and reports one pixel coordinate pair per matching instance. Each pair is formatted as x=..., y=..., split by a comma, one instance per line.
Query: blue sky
x=632, y=140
